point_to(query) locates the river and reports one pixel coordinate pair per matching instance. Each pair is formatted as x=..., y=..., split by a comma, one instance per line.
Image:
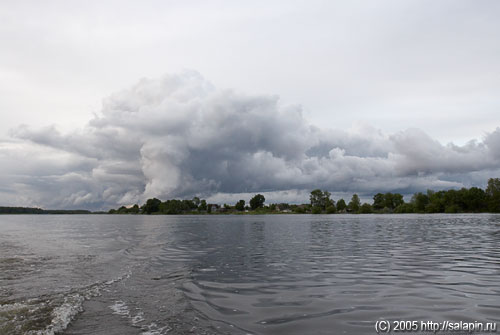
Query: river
x=244, y=274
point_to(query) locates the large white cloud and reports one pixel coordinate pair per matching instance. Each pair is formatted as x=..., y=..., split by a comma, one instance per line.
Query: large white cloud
x=179, y=136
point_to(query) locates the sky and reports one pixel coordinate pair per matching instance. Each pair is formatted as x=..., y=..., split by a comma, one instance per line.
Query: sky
x=108, y=103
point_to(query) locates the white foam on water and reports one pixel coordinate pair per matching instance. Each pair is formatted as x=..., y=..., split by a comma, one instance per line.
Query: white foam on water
x=120, y=308
x=153, y=329
x=71, y=307
x=63, y=314
x=117, y=279
x=65, y=307
x=138, y=318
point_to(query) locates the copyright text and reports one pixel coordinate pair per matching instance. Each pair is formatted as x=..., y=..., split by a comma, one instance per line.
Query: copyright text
x=386, y=326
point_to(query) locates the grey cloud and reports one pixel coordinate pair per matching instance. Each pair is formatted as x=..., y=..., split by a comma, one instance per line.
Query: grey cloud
x=179, y=136
x=417, y=153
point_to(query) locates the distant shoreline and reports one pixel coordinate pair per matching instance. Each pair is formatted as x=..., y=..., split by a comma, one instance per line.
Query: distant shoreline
x=472, y=200
x=85, y=212
x=39, y=211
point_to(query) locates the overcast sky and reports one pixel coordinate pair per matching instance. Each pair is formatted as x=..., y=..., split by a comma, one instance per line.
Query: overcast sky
x=110, y=102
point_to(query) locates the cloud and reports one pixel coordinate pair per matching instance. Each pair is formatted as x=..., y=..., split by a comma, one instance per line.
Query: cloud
x=179, y=136
x=420, y=154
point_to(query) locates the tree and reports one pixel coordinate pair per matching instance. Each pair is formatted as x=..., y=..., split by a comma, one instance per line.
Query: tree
x=378, y=201
x=437, y=201
x=173, y=206
x=122, y=210
x=257, y=201
x=420, y=201
x=188, y=205
x=134, y=209
x=315, y=197
x=320, y=199
x=203, y=205
x=151, y=206
x=493, y=187
x=341, y=206
x=282, y=206
x=476, y=200
x=316, y=210
x=240, y=205
x=397, y=200
x=299, y=209
x=354, y=204
x=405, y=208
x=388, y=200
x=365, y=208
x=493, y=193
x=331, y=209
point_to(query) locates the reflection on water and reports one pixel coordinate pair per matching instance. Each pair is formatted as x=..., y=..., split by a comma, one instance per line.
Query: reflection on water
x=279, y=274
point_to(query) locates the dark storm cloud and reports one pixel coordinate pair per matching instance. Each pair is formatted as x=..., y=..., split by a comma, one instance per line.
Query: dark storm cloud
x=179, y=136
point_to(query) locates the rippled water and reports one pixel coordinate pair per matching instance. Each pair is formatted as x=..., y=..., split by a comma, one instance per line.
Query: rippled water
x=278, y=274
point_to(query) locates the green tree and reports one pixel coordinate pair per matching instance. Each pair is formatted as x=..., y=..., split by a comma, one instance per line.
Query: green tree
x=331, y=209
x=378, y=201
x=257, y=201
x=354, y=204
x=122, y=210
x=365, y=208
x=341, y=205
x=299, y=209
x=240, y=205
x=320, y=199
x=203, y=205
x=388, y=200
x=420, y=201
x=151, y=206
x=174, y=206
x=453, y=201
x=397, y=200
x=134, y=209
x=436, y=201
x=188, y=205
x=405, y=208
x=476, y=200
x=493, y=194
x=316, y=210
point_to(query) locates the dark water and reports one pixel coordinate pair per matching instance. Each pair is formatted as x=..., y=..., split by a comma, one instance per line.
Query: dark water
x=290, y=274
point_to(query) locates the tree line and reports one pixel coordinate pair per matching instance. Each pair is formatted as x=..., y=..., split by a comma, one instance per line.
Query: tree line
x=193, y=206
x=465, y=200
x=34, y=210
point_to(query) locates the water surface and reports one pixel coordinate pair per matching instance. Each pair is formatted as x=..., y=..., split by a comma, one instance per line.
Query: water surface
x=275, y=274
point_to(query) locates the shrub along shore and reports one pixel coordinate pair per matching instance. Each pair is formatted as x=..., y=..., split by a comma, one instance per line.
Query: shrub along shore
x=465, y=200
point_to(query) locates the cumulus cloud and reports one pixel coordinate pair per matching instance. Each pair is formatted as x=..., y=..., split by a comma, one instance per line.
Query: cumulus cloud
x=179, y=136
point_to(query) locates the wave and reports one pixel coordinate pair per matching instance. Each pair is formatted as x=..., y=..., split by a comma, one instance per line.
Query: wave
x=48, y=314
